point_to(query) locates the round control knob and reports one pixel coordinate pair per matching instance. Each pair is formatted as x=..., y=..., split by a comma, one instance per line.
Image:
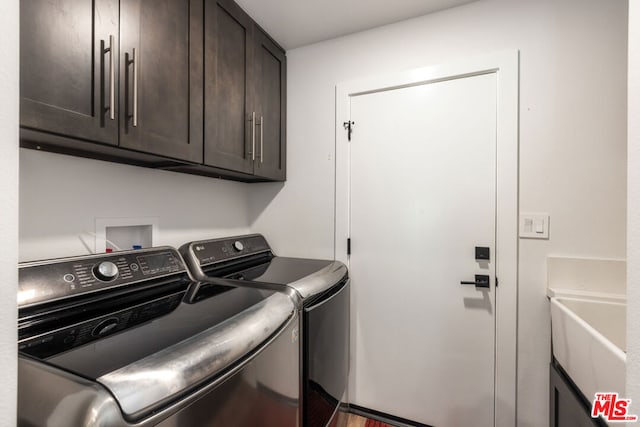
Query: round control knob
x=105, y=271
x=238, y=246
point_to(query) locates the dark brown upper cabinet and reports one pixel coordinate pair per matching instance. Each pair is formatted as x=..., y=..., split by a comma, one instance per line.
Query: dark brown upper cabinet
x=161, y=77
x=68, y=62
x=269, y=97
x=244, y=96
x=124, y=73
x=192, y=86
x=227, y=53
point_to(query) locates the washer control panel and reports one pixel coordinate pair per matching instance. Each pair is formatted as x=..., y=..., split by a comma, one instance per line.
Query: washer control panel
x=66, y=338
x=53, y=280
x=220, y=250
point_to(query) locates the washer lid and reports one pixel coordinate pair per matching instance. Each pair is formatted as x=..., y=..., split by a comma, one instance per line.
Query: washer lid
x=309, y=277
x=188, y=319
x=143, y=386
x=283, y=270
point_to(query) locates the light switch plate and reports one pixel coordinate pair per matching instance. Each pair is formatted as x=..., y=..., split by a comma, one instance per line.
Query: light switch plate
x=534, y=226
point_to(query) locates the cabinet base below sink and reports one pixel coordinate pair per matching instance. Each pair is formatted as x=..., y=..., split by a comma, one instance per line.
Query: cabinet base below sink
x=568, y=407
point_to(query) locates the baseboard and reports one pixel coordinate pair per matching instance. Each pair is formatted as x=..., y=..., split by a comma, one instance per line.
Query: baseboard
x=385, y=418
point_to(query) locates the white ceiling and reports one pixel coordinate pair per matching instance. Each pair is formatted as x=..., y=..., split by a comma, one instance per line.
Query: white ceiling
x=295, y=23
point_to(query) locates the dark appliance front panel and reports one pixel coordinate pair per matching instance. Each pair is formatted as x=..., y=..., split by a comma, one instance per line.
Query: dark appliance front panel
x=326, y=351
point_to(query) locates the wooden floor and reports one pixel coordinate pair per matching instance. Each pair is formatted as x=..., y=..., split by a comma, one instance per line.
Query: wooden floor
x=356, y=421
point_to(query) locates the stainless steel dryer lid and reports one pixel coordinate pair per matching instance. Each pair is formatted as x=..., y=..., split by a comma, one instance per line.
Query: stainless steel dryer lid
x=309, y=277
x=249, y=258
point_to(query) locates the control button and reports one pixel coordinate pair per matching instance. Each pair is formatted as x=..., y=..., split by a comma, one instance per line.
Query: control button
x=69, y=278
x=105, y=271
x=134, y=267
x=105, y=327
x=69, y=339
x=238, y=246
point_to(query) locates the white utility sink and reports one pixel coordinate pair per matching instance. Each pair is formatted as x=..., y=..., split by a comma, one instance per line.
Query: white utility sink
x=589, y=342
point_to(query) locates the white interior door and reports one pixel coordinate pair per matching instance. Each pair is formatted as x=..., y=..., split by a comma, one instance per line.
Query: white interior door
x=422, y=197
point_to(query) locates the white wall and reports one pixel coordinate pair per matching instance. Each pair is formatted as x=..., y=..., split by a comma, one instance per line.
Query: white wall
x=633, y=211
x=61, y=196
x=572, y=139
x=9, y=20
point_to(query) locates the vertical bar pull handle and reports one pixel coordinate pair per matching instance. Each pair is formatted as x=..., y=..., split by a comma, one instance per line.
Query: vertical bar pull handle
x=112, y=80
x=253, y=135
x=261, y=138
x=135, y=88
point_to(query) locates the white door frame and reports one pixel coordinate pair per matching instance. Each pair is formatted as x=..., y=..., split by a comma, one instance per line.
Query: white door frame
x=506, y=67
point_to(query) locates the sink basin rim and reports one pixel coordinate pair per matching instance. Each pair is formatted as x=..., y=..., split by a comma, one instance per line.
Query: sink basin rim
x=590, y=359
x=619, y=352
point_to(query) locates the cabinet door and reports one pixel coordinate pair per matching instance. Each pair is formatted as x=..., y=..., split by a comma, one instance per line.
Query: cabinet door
x=65, y=62
x=269, y=85
x=161, y=77
x=566, y=405
x=229, y=135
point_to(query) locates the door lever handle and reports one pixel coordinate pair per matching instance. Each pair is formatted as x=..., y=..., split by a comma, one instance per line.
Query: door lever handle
x=482, y=281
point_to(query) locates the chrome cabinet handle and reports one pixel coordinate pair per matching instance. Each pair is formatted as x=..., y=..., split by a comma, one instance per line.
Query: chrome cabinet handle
x=261, y=138
x=135, y=88
x=112, y=80
x=253, y=135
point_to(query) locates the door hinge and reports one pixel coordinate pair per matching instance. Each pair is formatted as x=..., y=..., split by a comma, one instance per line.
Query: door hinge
x=349, y=127
x=349, y=246
x=496, y=282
